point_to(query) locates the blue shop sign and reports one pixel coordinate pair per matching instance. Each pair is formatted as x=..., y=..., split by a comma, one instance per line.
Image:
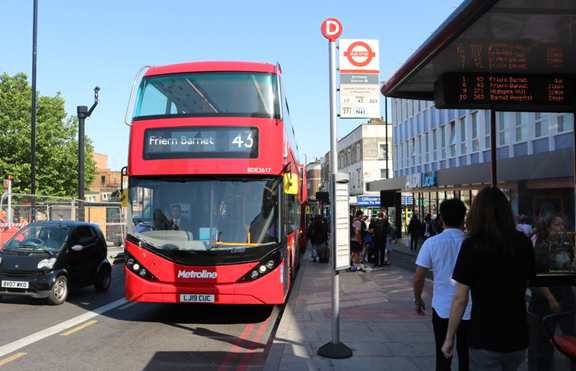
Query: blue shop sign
x=421, y=180
x=369, y=201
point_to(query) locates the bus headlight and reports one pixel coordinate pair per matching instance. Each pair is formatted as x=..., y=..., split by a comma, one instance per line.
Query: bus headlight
x=264, y=266
x=136, y=267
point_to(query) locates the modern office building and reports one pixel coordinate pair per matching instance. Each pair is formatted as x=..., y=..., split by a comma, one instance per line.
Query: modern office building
x=444, y=153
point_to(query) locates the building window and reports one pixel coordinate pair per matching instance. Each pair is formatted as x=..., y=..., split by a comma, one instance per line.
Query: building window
x=382, y=150
x=413, y=155
x=521, y=126
x=566, y=122
x=103, y=179
x=541, y=125
x=487, y=142
x=383, y=173
x=427, y=147
x=475, y=140
x=503, y=125
x=463, y=147
x=434, y=145
x=358, y=153
x=443, y=143
x=91, y=198
x=105, y=196
x=452, y=139
x=420, y=149
x=349, y=157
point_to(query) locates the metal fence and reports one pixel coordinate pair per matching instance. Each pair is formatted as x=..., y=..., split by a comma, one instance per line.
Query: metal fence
x=17, y=210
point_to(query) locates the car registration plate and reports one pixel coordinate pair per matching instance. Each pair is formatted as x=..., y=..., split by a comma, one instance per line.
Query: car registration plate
x=196, y=298
x=15, y=284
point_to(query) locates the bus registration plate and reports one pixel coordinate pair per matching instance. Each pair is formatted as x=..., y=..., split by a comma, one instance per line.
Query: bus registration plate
x=196, y=298
x=15, y=284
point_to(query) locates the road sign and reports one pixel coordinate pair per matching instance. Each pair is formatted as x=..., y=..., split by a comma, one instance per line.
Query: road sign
x=359, y=56
x=331, y=29
x=359, y=79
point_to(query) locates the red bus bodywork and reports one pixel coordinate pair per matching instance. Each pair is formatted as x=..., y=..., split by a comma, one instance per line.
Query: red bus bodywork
x=222, y=272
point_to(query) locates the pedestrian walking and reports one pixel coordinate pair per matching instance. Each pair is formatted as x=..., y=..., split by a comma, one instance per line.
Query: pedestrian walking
x=318, y=235
x=494, y=265
x=439, y=253
x=379, y=229
x=414, y=228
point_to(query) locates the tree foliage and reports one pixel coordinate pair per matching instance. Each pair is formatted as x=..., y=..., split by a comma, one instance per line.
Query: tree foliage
x=56, y=141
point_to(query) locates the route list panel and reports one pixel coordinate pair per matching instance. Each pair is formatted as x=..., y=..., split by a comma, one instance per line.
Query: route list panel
x=507, y=91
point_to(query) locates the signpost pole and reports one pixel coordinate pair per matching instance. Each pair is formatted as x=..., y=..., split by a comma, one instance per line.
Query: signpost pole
x=332, y=29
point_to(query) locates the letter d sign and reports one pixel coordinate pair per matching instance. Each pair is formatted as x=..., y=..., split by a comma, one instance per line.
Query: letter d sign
x=331, y=29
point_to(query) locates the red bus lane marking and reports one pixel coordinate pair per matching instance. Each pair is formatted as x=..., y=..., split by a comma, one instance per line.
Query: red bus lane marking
x=245, y=362
x=237, y=347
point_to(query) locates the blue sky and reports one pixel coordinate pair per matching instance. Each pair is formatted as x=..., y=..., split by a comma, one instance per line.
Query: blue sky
x=104, y=43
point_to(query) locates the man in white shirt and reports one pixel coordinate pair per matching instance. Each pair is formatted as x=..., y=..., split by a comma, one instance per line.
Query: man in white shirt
x=440, y=253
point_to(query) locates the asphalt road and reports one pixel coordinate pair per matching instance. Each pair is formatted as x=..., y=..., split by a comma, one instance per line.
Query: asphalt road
x=101, y=331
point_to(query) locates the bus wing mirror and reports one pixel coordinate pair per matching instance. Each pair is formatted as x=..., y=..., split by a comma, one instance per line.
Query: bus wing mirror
x=124, y=198
x=291, y=184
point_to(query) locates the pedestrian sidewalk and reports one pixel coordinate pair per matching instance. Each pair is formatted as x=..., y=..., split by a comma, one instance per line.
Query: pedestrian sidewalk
x=377, y=320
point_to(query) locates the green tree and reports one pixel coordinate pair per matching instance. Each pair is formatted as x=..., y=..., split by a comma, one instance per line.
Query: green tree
x=56, y=141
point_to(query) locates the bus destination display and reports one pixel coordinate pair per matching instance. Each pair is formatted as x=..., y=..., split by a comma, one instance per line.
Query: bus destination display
x=506, y=91
x=201, y=142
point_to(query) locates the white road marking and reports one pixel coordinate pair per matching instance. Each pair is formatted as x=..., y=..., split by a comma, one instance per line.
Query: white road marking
x=30, y=339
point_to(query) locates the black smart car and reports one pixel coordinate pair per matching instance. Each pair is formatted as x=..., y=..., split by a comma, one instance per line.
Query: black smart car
x=47, y=259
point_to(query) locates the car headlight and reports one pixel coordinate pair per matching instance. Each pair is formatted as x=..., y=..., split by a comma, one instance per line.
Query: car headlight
x=47, y=263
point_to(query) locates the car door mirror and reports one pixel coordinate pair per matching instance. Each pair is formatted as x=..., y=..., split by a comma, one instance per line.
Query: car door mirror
x=77, y=247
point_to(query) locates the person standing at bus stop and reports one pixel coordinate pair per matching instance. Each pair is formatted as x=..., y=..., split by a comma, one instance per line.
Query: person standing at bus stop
x=356, y=242
x=439, y=253
x=318, y=234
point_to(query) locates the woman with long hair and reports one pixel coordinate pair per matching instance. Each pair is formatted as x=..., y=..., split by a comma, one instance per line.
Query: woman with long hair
x=494, y=264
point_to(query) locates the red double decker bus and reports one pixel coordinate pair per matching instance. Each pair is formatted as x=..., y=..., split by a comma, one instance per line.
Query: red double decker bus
x=214, y=201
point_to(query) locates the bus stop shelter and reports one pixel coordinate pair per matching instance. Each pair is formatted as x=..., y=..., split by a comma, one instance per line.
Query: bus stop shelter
x=499, y=55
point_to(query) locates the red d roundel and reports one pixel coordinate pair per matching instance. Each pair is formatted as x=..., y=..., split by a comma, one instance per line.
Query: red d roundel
x=351, y=54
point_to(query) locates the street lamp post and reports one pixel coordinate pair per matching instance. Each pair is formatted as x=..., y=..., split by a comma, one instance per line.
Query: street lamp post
x=83, y=113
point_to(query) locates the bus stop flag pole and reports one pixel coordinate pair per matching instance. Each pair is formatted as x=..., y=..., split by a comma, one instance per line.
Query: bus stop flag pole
x=332, y=29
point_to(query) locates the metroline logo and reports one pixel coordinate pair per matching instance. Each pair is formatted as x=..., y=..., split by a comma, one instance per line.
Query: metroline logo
x=194, y=274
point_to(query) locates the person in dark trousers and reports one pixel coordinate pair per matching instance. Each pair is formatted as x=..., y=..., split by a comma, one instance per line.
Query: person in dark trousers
x=379, y=229
x=414, y=230
x=494, y=264
x=356, y=242
x=318, y=235
x=439, y=253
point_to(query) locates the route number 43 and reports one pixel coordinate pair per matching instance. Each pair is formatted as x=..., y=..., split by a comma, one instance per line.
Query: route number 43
x=248, y=142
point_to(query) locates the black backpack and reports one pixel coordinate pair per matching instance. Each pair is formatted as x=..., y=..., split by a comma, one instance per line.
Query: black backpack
x=380, y=229
x=352, y=232
x=319, y=233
